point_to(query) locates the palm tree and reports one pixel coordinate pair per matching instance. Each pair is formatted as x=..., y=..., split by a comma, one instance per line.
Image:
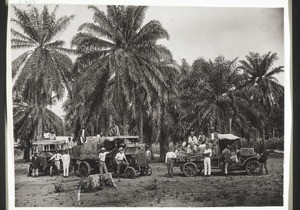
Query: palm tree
x=209, y=99
x=262, y=86
x=26, y=117
x=119, y=62
x=43, y=69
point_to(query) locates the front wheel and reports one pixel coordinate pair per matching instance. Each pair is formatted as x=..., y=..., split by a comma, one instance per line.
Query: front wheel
x=84, y=169
x=253, y=167
x=129, y=173
x=190, y=169
x=148, y=170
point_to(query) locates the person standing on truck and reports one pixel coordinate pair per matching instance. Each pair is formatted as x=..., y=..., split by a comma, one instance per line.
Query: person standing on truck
x=102, y=164
x=121, y=160
x=35, y=165
x=66, y=163
x=263, y=155
x=114, y=130
x=170, y=162
x=57, y=157
x=207, y=161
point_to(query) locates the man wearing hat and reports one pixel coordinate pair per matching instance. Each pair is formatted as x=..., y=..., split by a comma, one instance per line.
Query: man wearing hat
x=121, y=160
x=57, y=157
x=35, y=165
x=102, y=164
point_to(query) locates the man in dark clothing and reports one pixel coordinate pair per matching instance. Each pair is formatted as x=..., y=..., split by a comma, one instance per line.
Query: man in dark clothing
x=263, y=155
x=35, y=165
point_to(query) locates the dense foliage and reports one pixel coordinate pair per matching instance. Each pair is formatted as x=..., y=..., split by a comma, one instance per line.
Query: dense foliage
x=122, y=74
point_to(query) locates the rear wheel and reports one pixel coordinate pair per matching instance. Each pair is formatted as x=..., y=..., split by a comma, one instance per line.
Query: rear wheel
x=53, y=170
x=190, y=169
x=84, y=169
x=129, y=173
x=148, y=170
x=253, y=167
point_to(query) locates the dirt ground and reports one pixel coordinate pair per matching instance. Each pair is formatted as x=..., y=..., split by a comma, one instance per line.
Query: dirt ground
x=156, y=190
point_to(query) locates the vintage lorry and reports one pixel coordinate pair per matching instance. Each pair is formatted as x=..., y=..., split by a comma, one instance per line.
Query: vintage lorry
x=46, y=149
x=248, y=160
x=85, y=158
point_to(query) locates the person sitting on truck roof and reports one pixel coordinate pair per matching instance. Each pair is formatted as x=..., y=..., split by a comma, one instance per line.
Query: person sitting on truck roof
x=114, y=130
x=189, y=149
x=193, y=139
x=120, y=160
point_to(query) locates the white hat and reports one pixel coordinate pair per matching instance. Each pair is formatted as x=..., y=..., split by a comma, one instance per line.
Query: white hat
x=102, y=148
x=121, y=148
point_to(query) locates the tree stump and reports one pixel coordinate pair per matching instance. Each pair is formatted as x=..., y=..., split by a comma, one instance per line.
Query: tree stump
x=97, y=182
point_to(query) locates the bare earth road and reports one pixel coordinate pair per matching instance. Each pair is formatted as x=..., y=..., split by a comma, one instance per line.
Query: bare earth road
x=156, y=190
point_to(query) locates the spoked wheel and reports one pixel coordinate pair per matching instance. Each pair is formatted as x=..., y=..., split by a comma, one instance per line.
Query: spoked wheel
x=190, y=169
x=30, y=170
x=253, y=167
x=84, y=169
x=129, y=173
x=53, y=170
x=148, y=170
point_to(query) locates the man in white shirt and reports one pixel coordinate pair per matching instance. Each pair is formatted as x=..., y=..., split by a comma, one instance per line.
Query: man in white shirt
x=148, y=154
x=170, y=162
x=193, y=139
x=102, y=164
x=66, y=162
x=207, y=160
x=57, y=157
x=120, y=160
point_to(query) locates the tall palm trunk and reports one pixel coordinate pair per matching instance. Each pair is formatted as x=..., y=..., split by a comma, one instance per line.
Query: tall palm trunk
x=125, y=123
x=141, y=124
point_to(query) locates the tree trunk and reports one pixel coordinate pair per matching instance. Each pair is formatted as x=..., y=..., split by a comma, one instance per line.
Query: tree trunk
x=141, y=124
x=27, y=150
x=125, y=124
x=162, y=146
x=40, y=124
x=159, y=119
x=263, y=135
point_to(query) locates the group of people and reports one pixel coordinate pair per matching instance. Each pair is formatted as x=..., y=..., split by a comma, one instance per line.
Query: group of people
x=195, y=145
x=57, y=157
x=120, y=159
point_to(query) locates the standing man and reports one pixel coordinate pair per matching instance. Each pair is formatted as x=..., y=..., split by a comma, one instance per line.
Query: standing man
x=57, y=157
x=263, y=155
x=102, y=164
x=82, y=135
x=170, y=162
x=35, y=165
x=120, y=160
x=227, y=154
x=114, y=130
x=148, y=154
x=207, y=161
x=66, y=163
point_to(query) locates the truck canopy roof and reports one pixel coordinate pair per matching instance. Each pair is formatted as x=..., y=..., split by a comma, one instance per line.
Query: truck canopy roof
x=228, y=136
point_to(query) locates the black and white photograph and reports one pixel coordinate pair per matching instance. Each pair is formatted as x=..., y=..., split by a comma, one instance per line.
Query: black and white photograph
x=148, y=105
